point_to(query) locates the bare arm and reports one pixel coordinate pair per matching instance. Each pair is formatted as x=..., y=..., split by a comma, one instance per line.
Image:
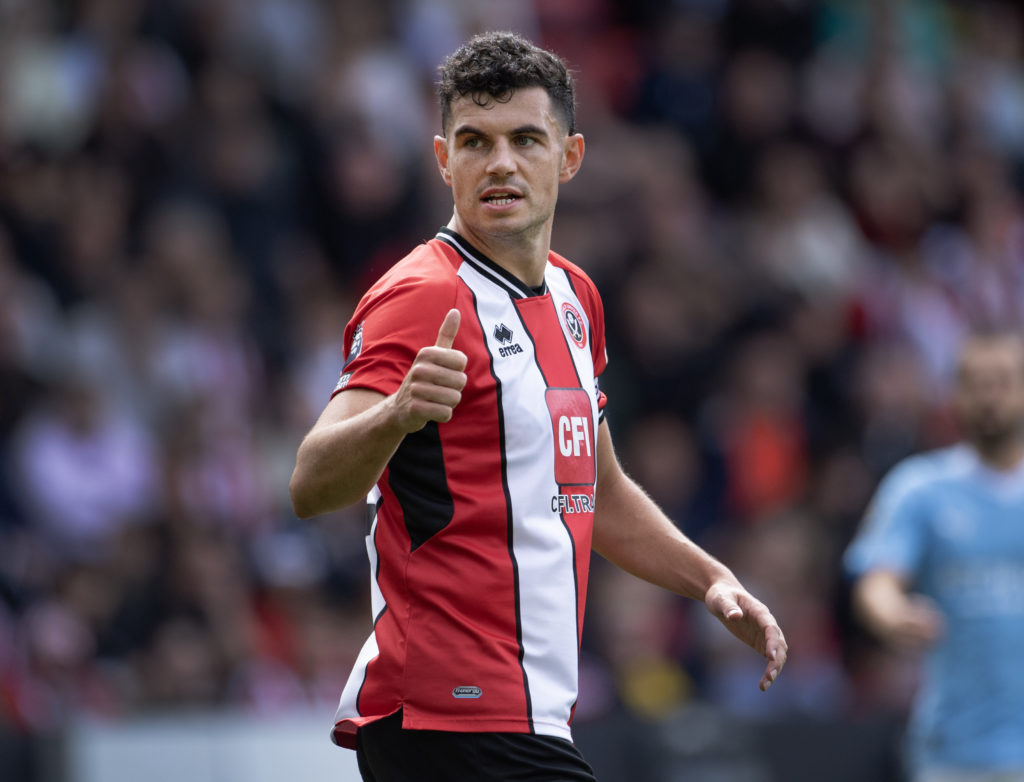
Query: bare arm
x=633, y=533
x=902, y=619
x=349, y=446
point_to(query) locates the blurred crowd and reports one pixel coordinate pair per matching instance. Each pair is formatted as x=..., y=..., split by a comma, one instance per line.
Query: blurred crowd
x=793, y=209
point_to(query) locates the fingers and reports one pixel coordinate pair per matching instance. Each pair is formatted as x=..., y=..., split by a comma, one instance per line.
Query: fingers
x=925, y=622
x=754, y=624
x=776, y=659
x=436, y=385
x=449, y=328
x=432, y=404
x=445, y=371
x=441, y=352
x=432, y=388
x=776, y=652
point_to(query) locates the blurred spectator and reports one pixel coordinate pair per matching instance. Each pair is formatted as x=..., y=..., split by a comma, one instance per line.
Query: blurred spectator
x=800, y=234
x=83, y=471
x=759, y=427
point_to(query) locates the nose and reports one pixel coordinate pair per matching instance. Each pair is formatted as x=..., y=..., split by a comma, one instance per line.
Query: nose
x=501, y=162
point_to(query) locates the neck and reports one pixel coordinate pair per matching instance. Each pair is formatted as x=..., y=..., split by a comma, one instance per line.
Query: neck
x=523, y=254
x=1003, y=454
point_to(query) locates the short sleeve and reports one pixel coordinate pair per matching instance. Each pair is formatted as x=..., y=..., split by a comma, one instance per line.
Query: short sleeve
x=392, y=322
x=599, y=350
x=590, y=298
x=893, y=534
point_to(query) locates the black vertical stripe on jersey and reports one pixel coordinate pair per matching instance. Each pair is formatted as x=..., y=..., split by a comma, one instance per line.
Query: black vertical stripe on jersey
x=417, y=476
x=510, y=519
x=372, y=509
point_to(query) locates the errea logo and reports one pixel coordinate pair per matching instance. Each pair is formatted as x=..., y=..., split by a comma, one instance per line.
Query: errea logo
x=503, y=334
x=467, y=691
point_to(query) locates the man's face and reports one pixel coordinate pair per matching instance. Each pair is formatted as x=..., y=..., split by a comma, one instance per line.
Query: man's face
x=504, y=162
x=990, y=390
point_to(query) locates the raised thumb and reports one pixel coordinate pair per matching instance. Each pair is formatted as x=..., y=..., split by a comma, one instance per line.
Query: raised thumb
x=449, y=328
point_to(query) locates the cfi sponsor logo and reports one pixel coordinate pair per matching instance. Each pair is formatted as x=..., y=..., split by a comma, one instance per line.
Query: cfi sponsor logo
x=574, y=324
x=467, y=691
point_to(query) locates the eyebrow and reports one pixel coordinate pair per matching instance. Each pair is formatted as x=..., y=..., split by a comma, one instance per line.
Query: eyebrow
x=522, y=130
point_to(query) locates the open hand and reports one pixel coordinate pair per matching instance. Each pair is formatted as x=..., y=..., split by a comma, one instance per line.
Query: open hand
x=749, y=619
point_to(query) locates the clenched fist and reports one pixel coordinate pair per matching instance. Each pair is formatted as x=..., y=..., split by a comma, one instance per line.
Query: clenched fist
x=433, y=385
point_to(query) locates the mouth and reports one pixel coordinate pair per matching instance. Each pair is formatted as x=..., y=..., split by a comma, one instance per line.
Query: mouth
x=500, y=197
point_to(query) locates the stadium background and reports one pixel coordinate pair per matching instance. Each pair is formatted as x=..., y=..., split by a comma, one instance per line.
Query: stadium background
x=793, y=209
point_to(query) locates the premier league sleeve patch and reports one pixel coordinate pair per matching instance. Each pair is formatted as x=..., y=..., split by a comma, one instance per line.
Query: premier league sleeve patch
x=353, y=354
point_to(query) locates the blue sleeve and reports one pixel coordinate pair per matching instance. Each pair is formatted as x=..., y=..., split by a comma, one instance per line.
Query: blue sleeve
x=893, y=533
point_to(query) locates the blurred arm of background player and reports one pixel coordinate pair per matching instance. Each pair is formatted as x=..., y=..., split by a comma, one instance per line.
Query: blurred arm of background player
x=898, y=617
x=633, y=533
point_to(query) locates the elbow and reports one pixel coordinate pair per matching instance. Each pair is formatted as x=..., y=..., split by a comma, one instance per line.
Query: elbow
x=311, y=498
x=302, y=511
x=302, y=505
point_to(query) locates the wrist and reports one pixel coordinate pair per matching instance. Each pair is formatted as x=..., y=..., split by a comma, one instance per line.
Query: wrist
x=390, y=423
x=719, y=579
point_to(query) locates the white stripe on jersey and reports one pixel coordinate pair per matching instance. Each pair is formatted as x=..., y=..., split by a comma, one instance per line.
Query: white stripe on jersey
x=542, y=548
x=347, y=707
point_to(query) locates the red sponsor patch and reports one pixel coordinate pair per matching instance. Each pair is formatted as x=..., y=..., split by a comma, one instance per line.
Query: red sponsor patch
x=572, y=426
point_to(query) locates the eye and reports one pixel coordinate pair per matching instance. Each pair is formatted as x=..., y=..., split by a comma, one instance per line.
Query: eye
x=525, y=141
x=474, y=142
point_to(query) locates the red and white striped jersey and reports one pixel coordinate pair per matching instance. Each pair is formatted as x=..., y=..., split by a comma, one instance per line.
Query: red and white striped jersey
x=480, y=541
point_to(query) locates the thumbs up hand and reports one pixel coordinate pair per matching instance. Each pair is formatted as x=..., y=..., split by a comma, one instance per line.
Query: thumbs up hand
x=433, y=385
x=449, y=329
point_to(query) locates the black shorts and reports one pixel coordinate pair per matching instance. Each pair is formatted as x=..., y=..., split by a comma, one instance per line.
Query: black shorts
x=389, y=753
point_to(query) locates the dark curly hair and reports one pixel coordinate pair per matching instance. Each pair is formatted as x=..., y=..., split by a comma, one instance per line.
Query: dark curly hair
x=494, y=65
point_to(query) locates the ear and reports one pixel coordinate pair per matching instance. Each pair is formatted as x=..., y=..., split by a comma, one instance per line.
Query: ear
x=441, y=153
x=572, y=157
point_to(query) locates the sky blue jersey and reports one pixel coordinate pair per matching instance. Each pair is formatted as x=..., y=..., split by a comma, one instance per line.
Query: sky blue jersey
x=955, y=529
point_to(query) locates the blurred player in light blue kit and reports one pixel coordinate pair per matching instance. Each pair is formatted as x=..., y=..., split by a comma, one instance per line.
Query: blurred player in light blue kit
x=939, y=563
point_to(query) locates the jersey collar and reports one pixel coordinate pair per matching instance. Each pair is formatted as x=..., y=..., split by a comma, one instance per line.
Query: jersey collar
x=516, y=288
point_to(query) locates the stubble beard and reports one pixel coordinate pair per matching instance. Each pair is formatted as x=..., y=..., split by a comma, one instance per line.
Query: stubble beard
x=994, y=439
x=509, y=231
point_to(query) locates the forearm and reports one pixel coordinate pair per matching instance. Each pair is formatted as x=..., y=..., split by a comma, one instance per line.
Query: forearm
x=339, y=462
x=899, y=617
x=877, y=597
x=632, y=532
